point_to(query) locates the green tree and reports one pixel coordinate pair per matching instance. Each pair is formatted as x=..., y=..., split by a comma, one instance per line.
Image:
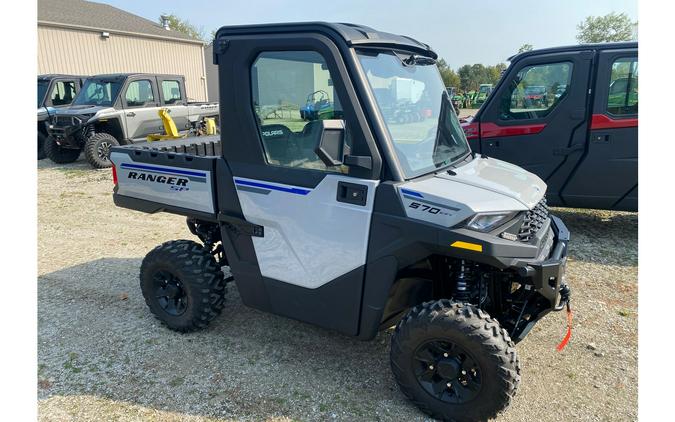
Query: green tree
x=450, y=77
x=179, y=25
x=495, y=72
x=609, y=28
x=525, y=47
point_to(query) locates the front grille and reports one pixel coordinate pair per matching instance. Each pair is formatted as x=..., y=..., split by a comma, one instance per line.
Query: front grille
x=533, y=221
x=64, y=121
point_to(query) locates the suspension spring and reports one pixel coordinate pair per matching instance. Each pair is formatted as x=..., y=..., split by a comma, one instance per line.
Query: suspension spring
x=464, y=281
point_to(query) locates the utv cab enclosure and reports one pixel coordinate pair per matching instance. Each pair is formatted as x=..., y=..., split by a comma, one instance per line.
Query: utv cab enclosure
x=53, y=90
x=570, y=116
x=373, y=214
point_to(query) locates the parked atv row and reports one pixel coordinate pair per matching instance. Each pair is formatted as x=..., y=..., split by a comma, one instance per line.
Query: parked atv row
x=109, y=110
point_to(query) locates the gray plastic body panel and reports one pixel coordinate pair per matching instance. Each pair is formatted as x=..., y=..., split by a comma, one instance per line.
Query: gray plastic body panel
x=176, y=185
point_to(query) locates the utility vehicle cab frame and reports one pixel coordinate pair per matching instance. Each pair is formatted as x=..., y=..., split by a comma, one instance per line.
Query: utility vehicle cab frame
x=374, y=214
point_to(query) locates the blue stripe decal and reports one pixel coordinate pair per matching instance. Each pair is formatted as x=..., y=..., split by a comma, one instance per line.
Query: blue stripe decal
x=163, y=170
x=413, y=193
x=296, y=191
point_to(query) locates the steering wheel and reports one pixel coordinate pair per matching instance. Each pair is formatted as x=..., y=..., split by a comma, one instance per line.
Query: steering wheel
x=324, y=96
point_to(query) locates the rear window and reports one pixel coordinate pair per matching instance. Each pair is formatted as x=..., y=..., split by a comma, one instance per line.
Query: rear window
x=623, y=87
x=171, y=92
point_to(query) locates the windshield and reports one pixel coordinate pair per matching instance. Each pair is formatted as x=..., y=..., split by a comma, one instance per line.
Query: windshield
x=43, y=86
x=98, y=92
x=414, y=103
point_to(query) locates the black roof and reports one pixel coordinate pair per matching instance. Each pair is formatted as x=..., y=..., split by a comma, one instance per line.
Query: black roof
x=563, y=49
x=354, y=35
x=126, y=75
x=50, y=76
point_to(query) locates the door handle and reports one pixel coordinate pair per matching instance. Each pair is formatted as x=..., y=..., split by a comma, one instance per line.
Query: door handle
x=493, y=143
x=352, y=193
x=131, y=114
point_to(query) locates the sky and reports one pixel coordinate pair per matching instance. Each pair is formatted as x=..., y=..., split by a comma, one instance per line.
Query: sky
x=461, y=32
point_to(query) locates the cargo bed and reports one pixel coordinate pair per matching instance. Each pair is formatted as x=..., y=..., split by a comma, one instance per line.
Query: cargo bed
x=195, y=145
x=172, y=176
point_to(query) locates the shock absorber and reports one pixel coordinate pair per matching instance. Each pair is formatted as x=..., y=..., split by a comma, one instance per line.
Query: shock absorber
x=464, y=281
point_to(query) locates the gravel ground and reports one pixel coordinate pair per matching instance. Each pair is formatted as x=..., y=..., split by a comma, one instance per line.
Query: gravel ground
x=102, y=356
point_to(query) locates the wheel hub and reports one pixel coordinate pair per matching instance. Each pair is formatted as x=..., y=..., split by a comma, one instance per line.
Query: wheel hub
x=169, y=293
x=103, y=150
x=448, y=368
x=447, y=371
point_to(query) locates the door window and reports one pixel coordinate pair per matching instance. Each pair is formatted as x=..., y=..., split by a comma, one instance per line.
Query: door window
x=536, y=91
x=623, y=87
x=63, y=93
x=292, y=92
x=171, y=92
x=139, y=93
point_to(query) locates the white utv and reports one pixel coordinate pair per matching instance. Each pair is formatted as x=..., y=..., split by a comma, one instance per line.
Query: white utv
x=357, y=222
x=120, y=109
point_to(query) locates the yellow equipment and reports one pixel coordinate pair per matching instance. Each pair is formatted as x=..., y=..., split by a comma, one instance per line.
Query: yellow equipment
x=169, y=128
x=210, y=124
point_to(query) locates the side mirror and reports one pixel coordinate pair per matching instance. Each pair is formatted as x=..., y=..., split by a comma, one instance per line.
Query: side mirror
x=331, y=146
x=333, y=150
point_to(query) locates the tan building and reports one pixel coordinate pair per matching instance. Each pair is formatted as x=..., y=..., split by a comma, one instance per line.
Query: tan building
x=85, y=38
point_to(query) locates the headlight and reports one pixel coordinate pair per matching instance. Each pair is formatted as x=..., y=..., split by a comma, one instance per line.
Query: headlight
x=484, y=222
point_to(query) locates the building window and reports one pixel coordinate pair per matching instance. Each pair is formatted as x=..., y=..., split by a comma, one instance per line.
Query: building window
x=171, y=92
x=623, y=87
x=292, y=92
x=139, y=93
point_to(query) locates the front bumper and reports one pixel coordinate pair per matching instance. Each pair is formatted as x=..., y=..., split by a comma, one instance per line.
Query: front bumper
x=548, y=276
x=67, y=135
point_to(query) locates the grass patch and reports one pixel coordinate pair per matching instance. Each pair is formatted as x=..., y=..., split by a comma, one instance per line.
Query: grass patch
x=177, y=382
x=72, y=173
x=70, y=363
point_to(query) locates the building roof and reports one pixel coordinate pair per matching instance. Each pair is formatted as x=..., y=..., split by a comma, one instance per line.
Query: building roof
x=103, y=17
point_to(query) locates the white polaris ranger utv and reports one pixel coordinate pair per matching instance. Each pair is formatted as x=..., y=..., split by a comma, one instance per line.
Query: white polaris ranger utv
x=366, y=211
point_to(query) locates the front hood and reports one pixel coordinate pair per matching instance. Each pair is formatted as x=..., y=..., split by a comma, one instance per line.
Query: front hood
x=500, y=177
x=480, y=186
x=81, y=109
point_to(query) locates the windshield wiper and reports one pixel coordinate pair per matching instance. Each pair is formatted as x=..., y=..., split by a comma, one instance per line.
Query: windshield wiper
x=413, y=60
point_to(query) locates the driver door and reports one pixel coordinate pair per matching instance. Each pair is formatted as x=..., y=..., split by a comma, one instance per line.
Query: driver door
x=310, y=262
x=140, y=100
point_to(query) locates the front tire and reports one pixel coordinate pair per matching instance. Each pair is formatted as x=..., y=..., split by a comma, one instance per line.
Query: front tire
x=97, y=149
x=58, y=154
x=454, y=361
x=182, y=285
x=41, y=139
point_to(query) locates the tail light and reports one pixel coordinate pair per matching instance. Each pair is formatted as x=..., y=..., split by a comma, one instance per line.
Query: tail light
x=114, y=174
x=471, y=130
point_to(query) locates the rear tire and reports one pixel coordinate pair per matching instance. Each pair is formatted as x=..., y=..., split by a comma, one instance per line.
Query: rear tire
x=182, y=285
x=41, y=139
x=58, y=154
x=454, y=361
x=97, y=149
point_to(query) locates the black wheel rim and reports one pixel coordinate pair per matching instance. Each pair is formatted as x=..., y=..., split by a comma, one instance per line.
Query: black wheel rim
x=169, y=293
x=447, y=372
x=103, y=150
